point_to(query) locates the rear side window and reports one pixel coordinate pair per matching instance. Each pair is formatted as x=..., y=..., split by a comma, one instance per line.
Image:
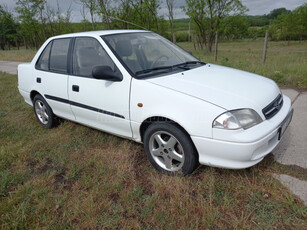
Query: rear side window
x=87, y=54
x=43, y=61
x=58, y=56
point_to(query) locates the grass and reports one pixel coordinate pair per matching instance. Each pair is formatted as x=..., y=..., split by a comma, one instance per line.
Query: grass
x=285, y=64
x=21, y=55
x=76, y=177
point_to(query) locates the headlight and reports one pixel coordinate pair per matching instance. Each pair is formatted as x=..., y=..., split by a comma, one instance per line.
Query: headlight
x=237, y=119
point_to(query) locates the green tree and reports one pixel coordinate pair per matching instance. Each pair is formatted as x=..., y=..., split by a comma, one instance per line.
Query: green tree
x=208, y=15
x=106, y=11
x=8, y=28
x=170, y=7
x=276, y=12
x=234, y=27
x=292, y=26
x=91, y=5
x=28, y=11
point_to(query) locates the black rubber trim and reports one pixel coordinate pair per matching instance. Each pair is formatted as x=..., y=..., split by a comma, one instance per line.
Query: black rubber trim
x=83, y=106
x=70, y=54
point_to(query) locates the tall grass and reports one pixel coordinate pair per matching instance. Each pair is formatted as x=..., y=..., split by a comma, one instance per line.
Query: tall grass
x=22, y=55
x=286, y=63
x=79, y=178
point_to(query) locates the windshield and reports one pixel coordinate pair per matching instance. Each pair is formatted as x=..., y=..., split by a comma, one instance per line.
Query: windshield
x=148, y=54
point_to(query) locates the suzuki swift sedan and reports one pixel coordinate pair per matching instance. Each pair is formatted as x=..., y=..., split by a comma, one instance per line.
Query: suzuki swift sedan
x=140, y=86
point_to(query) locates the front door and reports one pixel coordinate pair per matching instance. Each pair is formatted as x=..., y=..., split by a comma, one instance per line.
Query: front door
x=98, y=103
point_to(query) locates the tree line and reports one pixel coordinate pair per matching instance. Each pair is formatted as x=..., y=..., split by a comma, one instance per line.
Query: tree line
x=35, y=20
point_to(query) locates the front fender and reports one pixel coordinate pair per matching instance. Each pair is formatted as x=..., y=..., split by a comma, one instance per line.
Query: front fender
x=193, y=114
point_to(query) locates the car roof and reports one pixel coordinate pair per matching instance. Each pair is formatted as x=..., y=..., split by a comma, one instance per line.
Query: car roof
x=98, y=33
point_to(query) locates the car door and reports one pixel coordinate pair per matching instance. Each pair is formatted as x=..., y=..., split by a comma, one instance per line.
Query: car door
x=51, y=76
x=98, y=103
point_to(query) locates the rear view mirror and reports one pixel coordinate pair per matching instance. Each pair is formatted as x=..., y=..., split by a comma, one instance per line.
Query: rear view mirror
x=106, y=73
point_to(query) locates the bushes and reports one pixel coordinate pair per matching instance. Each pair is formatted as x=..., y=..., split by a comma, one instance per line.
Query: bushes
x=182, y=36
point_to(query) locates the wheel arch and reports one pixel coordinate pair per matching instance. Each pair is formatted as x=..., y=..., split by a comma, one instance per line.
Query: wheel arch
x=33, y=93
x=146, y=123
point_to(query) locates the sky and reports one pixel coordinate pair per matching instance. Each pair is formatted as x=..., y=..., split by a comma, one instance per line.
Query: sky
x=256, y=7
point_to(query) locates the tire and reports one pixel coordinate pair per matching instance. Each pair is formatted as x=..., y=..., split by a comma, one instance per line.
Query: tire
x=169, y=149
x=43, y=112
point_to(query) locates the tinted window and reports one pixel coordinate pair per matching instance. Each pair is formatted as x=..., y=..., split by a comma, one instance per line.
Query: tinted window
x=87, y=54
x=43, y=60
x=58, y=57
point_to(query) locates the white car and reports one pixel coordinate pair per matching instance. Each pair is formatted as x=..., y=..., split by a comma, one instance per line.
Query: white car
x=138, y=85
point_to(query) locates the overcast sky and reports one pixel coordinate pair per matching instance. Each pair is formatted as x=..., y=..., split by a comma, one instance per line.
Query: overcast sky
x=256, y=7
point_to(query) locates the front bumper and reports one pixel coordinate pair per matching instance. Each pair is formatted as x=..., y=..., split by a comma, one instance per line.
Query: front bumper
x=242, y=148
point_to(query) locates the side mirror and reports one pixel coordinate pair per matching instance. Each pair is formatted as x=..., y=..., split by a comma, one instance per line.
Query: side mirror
x=106, y=73
x=190, y=52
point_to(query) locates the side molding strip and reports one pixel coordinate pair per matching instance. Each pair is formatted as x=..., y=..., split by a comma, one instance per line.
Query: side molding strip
x=83, y=106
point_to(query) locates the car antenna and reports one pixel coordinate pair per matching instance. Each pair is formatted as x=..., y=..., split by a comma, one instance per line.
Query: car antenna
x=118, y=19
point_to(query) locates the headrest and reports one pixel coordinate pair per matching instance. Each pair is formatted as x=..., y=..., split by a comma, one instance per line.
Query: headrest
x=123, y=48
x=88, y=52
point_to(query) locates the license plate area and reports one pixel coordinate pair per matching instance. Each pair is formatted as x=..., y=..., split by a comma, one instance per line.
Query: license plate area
x=284, y=125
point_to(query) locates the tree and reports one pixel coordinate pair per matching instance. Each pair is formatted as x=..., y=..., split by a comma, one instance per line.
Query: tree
x=170, y=7
x=92, y=6
x=276, y=12
x=28, y=11
x=208, y=14
x=106, y=12
x=234, y=27
x=8, y=28
x=292, y=26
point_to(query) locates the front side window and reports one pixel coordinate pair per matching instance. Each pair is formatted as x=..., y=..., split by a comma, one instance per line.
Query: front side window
x=43, y=61
x=87, y=54
x=58, y=56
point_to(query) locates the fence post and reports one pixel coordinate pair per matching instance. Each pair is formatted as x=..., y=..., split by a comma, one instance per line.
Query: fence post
x=215, y=48
x=265, y=46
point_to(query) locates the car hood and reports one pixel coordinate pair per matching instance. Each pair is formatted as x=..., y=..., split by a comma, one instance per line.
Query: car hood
x=225, y=87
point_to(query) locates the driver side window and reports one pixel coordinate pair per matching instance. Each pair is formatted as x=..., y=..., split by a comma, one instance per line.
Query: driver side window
x=87, y=54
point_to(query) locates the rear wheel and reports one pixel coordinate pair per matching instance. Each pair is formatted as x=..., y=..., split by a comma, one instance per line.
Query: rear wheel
x=170, y=149
x=43, y=112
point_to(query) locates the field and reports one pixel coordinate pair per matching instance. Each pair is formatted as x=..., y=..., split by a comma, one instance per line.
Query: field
x=76, y=177
x=286, y=63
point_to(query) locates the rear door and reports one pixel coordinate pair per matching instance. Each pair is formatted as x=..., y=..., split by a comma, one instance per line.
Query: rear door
x=51, y=76
x=98, y=103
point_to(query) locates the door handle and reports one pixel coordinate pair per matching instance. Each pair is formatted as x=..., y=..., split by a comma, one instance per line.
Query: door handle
x=38, y=80
x=75, y=88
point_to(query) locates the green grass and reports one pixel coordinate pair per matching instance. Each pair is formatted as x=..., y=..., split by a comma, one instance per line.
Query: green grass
x=285, y=64
x=76, y=177
x=21, y=55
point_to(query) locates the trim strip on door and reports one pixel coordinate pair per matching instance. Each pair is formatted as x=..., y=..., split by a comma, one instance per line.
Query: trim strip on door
x=83, y=106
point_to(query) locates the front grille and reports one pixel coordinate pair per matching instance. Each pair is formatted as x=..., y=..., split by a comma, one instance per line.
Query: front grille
x=270, y=110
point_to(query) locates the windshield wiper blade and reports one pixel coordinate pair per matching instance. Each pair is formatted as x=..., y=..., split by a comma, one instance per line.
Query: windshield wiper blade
x=190, y=63
x=180, y=65
x=154, y=69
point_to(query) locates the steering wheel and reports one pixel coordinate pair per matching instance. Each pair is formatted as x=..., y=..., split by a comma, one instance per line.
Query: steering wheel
x=157, y=60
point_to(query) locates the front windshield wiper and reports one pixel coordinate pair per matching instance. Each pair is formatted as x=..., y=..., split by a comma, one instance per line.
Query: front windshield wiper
x=180, y=65
x=189, y=63
x=154, y=69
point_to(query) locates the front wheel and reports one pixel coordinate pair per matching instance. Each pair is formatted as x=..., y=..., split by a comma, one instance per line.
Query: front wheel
x=43, y=112
x=169, y=149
